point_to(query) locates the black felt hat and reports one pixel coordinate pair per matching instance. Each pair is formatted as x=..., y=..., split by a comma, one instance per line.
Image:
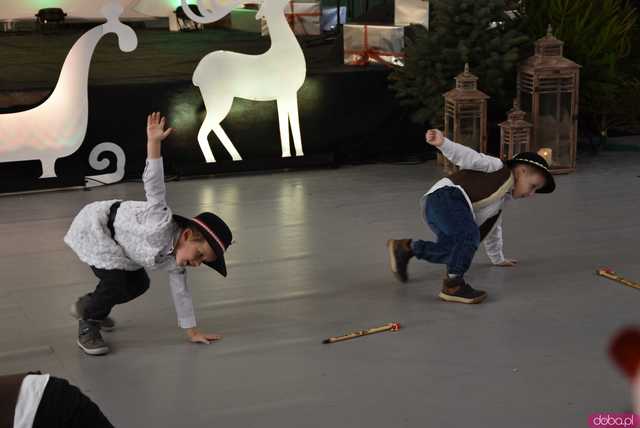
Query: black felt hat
x=538, y=162
x=215, y=231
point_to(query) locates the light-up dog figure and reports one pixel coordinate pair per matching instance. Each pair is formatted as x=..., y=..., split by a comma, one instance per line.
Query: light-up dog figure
x=57, y=127
x=276, y=75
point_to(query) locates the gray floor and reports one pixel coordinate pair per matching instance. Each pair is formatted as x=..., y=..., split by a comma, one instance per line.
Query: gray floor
x=309, y=263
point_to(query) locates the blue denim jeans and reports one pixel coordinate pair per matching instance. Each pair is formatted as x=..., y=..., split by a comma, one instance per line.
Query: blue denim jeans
x=449, y=216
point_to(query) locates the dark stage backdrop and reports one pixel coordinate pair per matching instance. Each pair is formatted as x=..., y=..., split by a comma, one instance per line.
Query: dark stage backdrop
x=345, y=117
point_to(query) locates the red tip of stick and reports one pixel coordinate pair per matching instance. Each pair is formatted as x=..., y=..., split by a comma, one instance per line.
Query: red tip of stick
x=395, y=326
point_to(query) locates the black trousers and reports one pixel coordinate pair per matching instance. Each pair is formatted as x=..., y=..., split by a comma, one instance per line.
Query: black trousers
x=115, y=287
x=65, y=406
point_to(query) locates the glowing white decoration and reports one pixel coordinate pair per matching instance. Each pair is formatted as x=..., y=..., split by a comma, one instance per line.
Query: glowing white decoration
x=276, y=75
x=57, y=127
x=102, y=164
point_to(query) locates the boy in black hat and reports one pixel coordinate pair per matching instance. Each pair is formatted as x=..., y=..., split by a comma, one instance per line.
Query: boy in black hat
x=119, y=239
x=465, y=209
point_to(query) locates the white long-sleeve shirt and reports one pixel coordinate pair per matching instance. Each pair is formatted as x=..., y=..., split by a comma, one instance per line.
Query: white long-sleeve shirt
x=145, y=233
x=29, y=397
x=467, y=158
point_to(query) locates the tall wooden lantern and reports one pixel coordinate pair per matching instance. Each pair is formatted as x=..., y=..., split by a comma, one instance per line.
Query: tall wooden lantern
x=515, y=133
x=548, y=86
x=465, y=116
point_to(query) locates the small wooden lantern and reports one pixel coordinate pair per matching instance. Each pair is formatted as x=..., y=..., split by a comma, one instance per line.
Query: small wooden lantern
x=548, y=87
x=465, y=116
x=515, y=133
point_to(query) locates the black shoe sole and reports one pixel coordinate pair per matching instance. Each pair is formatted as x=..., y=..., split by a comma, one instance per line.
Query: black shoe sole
x=458, y=299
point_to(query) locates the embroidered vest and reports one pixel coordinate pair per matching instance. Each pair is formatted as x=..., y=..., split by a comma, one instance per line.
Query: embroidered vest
x=483, y=189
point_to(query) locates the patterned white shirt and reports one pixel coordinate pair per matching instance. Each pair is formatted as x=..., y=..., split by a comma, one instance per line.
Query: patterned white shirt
x=145, y=233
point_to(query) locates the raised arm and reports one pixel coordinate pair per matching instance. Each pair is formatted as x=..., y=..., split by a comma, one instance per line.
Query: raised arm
x=153, y=176
x=463, y=156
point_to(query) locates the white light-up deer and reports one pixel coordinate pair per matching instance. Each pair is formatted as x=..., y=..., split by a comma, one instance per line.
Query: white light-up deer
x=276, y=75
x=57, y=127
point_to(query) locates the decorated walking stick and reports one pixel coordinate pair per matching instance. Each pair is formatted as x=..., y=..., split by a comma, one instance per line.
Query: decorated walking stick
x=394, y=326
x=608, y=273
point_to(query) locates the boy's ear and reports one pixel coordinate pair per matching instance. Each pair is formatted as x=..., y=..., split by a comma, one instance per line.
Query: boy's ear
x=186, y=234
x=518, y=171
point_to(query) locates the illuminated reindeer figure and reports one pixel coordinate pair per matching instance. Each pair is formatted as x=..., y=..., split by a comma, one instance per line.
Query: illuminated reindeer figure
x=57, y=127
x=276, y=75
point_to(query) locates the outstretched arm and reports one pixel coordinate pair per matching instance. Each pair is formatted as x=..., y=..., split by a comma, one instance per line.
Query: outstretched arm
x=155, y=134
x=463, y=156
x=153, y=176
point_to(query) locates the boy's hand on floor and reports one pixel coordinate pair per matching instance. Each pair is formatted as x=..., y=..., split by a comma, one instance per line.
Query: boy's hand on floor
x=196, y=336
x=435, y=137
x=507, y=263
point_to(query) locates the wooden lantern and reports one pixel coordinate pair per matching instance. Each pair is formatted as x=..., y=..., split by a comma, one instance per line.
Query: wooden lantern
x=465, y=116
x=515, y=133
x=548, y=86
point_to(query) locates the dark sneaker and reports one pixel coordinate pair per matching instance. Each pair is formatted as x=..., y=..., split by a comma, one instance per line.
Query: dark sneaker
x=90, y=340
x=399, y=255
x=77, y=311
x=457, y=290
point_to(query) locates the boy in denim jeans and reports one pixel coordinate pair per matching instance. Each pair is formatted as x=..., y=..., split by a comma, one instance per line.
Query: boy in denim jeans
x=465, y=209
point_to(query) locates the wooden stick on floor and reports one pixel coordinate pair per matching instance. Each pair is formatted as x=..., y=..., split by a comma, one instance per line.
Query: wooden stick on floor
x=608, y=273
x=394, y=326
